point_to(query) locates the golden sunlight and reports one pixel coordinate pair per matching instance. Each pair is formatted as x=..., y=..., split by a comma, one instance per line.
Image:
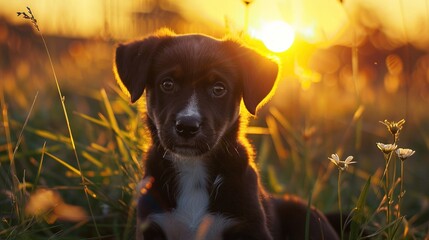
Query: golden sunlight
x=277, y=36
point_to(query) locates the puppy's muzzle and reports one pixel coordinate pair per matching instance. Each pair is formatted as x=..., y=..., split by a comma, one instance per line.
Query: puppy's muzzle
x=188, y=126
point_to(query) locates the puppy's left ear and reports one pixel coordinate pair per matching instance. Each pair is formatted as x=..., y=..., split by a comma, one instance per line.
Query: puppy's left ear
x=133, y=61
x=258, y=75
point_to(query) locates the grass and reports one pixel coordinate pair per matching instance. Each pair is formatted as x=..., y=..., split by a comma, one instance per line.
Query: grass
x=107, y=179
x=88, y=162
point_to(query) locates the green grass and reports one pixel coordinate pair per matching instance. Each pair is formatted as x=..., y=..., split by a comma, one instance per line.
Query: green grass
x=108, y=176
x=73, y=139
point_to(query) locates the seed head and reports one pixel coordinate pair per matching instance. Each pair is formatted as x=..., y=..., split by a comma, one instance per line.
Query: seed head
x=29, y=16
x=393, y=127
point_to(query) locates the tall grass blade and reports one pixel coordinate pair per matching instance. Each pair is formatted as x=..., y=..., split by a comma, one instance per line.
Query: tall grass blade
x=113, y=123
x=15, y=181
x=39, y=169
x=65, y=164
x=129, y=169
x=62, y=100
x=92, y=159
x=93, y=120
x=274, y=132
x=359, y=213
x=273, y=180
x=307, y=216
x=18, y=142
x=286, y=125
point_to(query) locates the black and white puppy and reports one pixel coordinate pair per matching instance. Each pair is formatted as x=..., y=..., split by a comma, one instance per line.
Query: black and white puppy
x=201, y=180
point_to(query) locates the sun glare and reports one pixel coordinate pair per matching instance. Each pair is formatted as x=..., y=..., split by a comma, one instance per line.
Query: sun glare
x=277, y=36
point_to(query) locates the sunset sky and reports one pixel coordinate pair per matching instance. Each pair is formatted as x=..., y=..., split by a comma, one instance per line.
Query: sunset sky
x=323, y=22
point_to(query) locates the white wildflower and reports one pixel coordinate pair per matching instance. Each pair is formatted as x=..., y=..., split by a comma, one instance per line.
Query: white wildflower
x=342, y=165
x=404, y=153
x=387, y=148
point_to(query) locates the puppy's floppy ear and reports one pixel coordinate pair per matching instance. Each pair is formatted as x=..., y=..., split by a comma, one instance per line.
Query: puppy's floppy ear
x=133, y=61
x=258, y=75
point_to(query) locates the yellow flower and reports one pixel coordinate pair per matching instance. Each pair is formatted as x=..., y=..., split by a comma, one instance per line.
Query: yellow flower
x=393, y=127
x=387, y=148
x=404, y=153
x=342, y=165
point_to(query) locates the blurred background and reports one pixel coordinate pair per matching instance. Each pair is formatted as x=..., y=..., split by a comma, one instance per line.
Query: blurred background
x=345, y=66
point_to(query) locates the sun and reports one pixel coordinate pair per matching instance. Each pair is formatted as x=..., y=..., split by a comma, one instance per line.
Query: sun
x=277, y=36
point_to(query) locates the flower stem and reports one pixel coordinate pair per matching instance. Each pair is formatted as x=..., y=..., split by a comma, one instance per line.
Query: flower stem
x=390, y=189
x=387, y=191
x=339, y=205
x=401, y=192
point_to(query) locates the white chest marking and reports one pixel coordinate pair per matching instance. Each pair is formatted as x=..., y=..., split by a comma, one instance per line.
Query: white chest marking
x=190, y=219
x=193, y=198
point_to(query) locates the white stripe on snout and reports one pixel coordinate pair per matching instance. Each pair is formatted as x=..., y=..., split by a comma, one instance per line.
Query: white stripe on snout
x=191, y=110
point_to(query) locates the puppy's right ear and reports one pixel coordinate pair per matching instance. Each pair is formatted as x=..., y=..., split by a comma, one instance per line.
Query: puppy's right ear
x=132, y=63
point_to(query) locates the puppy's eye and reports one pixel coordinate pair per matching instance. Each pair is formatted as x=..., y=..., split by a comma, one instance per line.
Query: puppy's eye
x=219, y=89
x=167, y=85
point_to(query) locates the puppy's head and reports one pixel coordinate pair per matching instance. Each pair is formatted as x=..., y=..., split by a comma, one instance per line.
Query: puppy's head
x=194, y=85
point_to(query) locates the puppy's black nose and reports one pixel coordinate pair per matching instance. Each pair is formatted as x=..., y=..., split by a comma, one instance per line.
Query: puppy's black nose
x=187, y=127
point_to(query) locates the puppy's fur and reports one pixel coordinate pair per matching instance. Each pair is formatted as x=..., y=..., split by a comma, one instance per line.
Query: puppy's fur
x=200, y=178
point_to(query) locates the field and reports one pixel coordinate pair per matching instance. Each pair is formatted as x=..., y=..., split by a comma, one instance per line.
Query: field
x=70, y=155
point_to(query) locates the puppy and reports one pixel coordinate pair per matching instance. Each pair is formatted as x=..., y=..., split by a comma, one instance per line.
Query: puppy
x=200, y=178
